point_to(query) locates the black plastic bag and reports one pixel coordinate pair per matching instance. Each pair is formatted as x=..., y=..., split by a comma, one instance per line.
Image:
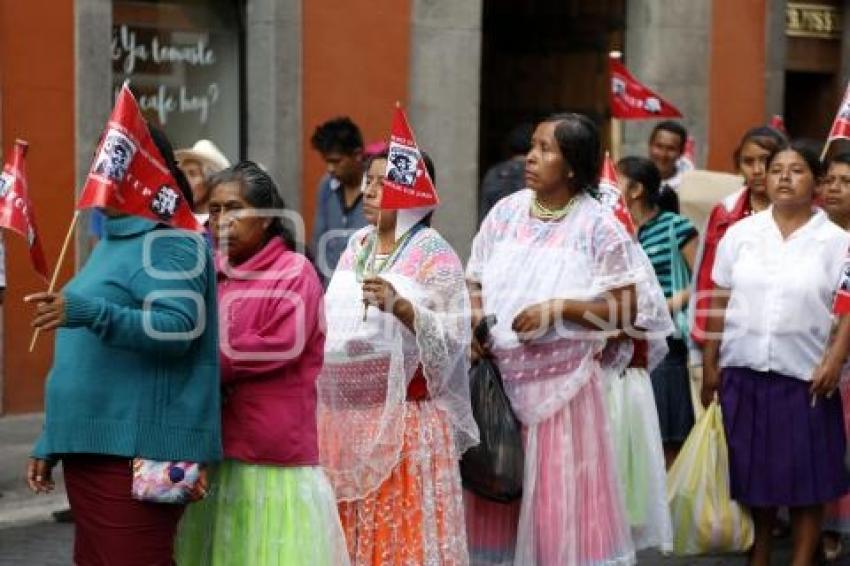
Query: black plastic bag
x=494, y=468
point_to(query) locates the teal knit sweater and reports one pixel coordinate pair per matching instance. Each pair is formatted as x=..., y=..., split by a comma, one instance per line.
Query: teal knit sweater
x=135, y=369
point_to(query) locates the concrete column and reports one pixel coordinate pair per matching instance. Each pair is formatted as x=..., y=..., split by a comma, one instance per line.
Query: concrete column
x=93, y=101
x=273, y=92
x=445, y=69
x=775, y=47
x=667, y=48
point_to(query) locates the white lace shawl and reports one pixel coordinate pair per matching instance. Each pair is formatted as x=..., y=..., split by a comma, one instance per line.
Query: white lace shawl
x=520, y=261
x=368, y=365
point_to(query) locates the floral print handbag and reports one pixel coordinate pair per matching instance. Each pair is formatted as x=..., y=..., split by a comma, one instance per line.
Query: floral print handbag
x=164, y=482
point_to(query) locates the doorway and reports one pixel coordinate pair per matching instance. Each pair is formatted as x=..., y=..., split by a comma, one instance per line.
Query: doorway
x=540, y=57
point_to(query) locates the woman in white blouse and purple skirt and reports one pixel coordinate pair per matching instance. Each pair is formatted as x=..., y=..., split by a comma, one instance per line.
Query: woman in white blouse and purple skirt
x=776, y=357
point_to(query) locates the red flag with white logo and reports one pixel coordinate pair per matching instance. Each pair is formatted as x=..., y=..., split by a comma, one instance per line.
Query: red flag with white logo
x=631, y=100
x=841, y=125
x=407, y=183
x=130, y=175
x=407, y=187
x=16, y=210
x=610, y=195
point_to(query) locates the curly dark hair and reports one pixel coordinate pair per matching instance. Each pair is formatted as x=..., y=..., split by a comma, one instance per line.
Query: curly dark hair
x=337, y=135
x=673, y=127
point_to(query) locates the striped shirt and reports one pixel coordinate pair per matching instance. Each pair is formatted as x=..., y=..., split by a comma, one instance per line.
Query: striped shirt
x=660, y=237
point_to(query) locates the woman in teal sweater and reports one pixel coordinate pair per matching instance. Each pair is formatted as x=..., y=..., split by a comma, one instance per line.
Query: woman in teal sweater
x=135, y=374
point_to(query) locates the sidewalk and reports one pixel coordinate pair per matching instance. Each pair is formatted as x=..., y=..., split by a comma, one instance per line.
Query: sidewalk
x=19, y=506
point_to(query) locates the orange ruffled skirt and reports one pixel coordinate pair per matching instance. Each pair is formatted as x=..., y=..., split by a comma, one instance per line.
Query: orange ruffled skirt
x=416, y=515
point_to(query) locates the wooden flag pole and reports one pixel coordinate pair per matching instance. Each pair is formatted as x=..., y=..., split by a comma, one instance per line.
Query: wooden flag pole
x=825, y=150
x=371, y=262
x=58, y=267
x=616, y=130
x=616, y=139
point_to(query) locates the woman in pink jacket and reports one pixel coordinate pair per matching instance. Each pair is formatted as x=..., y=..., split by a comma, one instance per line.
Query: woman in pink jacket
x=271, y=502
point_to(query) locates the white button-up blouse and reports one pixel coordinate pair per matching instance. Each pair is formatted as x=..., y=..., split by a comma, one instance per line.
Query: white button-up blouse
x=782, y=290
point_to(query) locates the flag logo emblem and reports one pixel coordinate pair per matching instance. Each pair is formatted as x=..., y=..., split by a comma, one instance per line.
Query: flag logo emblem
x=115, y=156
x=6, y=182
x=402, y=166
x=653, y=105
x=165, y=202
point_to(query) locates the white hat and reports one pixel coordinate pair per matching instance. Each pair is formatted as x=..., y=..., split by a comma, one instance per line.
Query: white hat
x=207, y=153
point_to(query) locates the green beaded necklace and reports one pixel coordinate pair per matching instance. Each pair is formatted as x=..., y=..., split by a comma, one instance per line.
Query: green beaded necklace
x=364, y=261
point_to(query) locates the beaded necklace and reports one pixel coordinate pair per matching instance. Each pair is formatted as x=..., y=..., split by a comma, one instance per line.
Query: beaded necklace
x=364, y=261
x=540, y=211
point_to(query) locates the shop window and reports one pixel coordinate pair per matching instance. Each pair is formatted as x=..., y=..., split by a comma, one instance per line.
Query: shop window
x=183, y=59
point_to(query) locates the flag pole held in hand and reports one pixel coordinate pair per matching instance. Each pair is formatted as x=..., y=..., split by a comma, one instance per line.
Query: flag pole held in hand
x=58, y=267
x=370, y=264
x=407, y=186
x=130, y=175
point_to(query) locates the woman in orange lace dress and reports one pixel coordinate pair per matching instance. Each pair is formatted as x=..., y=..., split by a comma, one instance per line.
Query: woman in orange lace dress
x=394, y=409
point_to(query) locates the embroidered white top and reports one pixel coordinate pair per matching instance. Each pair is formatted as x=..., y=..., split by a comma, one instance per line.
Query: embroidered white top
x=780, y=310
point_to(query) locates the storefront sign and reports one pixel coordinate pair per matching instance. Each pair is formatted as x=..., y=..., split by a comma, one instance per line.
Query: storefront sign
x=812, y=20
x=182, y=58
x=152, y=55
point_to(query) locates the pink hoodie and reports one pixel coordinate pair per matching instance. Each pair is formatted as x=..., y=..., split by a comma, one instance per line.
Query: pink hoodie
x=272, y=345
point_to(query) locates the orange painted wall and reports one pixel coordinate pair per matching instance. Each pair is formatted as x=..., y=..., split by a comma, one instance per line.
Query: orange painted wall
x=356, y=64
x=737, y=70
x=36, y=104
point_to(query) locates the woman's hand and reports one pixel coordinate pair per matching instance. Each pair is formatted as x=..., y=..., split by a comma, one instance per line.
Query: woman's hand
x=379, y=293
x=49, y=310
x=825, y=378
x=40, y=475
x=534, y=321
x=202, y=487
x=710, y=385
x=478, y=351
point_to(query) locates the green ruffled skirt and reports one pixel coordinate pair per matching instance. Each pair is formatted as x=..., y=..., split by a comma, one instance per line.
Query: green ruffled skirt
x=264, y=516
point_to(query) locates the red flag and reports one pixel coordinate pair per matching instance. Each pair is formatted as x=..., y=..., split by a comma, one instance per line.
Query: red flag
x=841, y=125
x=777, y=122
x=16, y=210
x=841, y=304
x=407, y=183
x=129, y=173
x=631, y=100
x=610, y=195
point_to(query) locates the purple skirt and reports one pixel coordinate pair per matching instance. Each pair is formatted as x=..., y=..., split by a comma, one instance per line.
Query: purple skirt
x=782, y=451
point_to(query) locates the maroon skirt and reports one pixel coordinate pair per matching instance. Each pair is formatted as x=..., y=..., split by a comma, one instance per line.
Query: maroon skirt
x=110, y=526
